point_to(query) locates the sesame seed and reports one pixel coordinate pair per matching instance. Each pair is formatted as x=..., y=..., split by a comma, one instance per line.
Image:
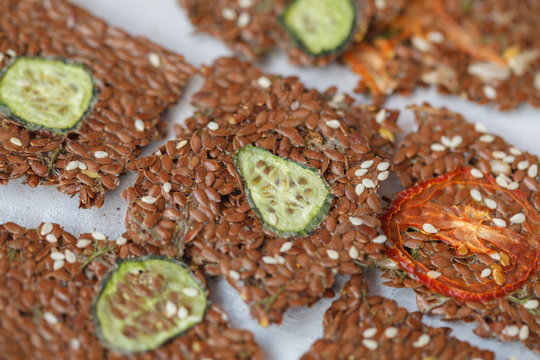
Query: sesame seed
x=58, y=264
x=170, y=309
x=361, y=172
x=167, y=187
x=55, y=255
x=523, y=333
x=190, y=292
x=265, y=83
x=70, y=256
x=495, y=255
x=391, y=332
x=82, y=165
x=531, y=304
x=513, y=185
x=422, y=341
x=181, y=144
x=533, y=171
x=477, y=173
x=380, y=4
x=234, y=274
x=272, y=218
x=228, y=13
x=368, y=183
x=433, y=274
x=286, y=247
x=366, y=164
x=518, y=218
x=269, y=260
x=492, y=204
x=101, y=154
x=522, y=165
x=383, y=175
x=509, y=159
x=280, y=259
x=485, y=273
x=359, y=189
x=353, y=252
x=82, y=243
x=139, y=125
x=499, y=222
x=11, y=52
x=51, y=238
x=355, y=221
x=456, y=141
x=338, y=97
x=502, y=181
x=438, y=147
x=75, y=344
x=510, y=330
x=435, y=37
x=46, y=228
x=182, y=312
x=148, y=199
x=15, y=141
x=213, y=125
x=381, y=116
x=445, y=141
x=369, y=332
x=50, y=318
x=421, y=44
x=370, y=344
x=72, y=165
x=498, y=154
x=515, y=151
x=332, y=254
x=98, y=236
x=430, y=229
x=487, y=138
x=383, y=166
x=334, y=124
x=154, y=59
x=243, y=19
x=245, y=3
x=121, y=240
x=379, y=239
x=498, y=167
x=490, y=92
x=476, y=195
x=480, y=127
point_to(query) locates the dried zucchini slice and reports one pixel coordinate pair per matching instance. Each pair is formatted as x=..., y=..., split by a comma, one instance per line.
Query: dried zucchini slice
x=320, y=27
x=289, y=198
x=147, y=301
x=42, y=93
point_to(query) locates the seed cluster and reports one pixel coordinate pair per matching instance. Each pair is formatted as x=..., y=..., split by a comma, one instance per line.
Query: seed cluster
x=372, y=327
x=46, y=307
x=133, y=89
x=493, y=204
x=198, y=201
x=486, y=52
x=252, y=27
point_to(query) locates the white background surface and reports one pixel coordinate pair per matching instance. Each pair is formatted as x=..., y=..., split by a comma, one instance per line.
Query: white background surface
x=166, y=23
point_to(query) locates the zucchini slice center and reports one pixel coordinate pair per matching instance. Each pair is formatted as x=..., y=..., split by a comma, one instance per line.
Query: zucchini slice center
x=289, y=198
x=45, y=93
x=145, y=302
x=320, y=26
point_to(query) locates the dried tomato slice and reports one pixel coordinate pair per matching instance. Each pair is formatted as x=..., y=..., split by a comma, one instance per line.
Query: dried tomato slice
x=463, y=235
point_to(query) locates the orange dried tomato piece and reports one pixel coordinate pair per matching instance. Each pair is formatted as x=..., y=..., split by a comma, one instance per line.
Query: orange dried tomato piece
x=464, y=236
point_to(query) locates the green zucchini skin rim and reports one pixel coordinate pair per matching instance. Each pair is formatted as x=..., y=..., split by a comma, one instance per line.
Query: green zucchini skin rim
x=314, y=222
x=337, y=50
x=6, y=112
x=103, y=285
